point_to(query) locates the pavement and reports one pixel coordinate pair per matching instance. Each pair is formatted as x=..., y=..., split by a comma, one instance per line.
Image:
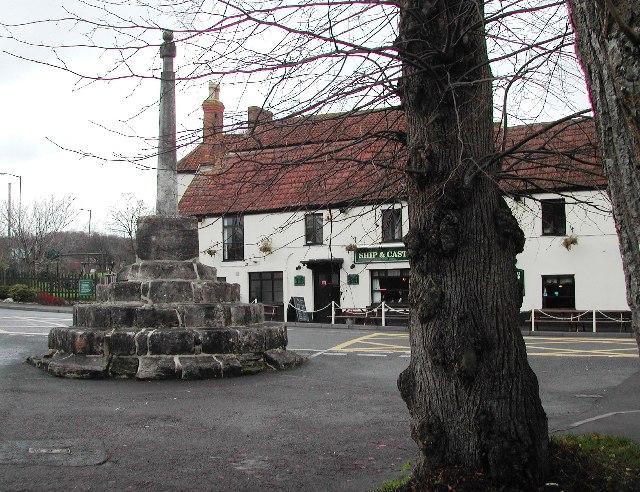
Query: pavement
x=326, y=426
x=35, y=307
x=617, y=414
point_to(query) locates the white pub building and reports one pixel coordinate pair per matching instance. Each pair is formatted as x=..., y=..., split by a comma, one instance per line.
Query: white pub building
x=309, y=213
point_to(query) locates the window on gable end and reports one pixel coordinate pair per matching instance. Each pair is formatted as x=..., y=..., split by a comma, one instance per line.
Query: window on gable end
x=391, y=225
x=554, y=220
x=233, y=238
x=313, y=229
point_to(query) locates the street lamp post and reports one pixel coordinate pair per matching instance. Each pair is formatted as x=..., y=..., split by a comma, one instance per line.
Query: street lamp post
x=19, y=199
x=88, y=210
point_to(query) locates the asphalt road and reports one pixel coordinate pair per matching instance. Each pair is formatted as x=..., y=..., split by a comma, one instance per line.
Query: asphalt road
x=337, y=423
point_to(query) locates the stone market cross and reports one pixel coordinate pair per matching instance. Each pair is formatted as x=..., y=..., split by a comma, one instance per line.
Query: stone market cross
x=167, y=315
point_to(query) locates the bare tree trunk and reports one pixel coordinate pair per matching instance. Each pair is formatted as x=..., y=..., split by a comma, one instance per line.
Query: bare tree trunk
x=608, y=44
x=472, y=397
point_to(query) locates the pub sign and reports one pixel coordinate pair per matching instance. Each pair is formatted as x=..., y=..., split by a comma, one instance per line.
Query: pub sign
x=381, y=255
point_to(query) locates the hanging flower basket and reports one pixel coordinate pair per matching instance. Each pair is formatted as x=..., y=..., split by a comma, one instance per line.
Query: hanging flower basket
x=265, y=246
x=570, y=241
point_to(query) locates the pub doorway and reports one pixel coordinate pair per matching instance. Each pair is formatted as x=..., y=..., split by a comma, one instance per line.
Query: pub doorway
x=326, y=287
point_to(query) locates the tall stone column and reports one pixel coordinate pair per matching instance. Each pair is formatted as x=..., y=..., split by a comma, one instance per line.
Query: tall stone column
x=167, y=195
x=166, y=235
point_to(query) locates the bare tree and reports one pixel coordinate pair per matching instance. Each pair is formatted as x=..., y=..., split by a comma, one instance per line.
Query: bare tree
x=608, y=42
x=34, y=228
x=448, y=67
x=124, y=219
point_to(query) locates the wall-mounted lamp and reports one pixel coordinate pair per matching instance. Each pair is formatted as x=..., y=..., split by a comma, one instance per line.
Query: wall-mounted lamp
x=353, y=265
x=299, y=267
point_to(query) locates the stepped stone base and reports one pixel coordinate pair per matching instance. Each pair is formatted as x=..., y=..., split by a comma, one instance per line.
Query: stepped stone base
x=146, y=367
x=167, y=317
x=163, y=353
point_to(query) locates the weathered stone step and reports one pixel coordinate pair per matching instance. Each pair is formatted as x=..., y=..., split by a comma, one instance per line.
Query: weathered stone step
x=168, y=291
x=168, y=341
x=136, y=315
x=164, y=366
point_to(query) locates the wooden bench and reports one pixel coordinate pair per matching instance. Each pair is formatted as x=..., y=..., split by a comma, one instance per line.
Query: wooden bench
x=374, y=316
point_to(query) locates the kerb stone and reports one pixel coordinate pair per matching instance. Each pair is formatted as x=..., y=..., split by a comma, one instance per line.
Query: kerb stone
x=79, y=366
x=123, y=367
x=283, y=359
x=200, y=367
x=158, y=367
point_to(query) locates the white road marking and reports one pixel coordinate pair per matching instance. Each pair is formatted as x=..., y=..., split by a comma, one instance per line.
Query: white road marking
x=23, y=333
x=46, y=321
x=599, y=417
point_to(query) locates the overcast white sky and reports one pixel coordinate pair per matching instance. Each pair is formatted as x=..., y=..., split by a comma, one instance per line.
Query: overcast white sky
x=46, y=110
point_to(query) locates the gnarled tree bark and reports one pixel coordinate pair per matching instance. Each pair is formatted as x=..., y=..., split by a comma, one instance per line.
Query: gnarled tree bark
x=472, y=397
x=608, y=45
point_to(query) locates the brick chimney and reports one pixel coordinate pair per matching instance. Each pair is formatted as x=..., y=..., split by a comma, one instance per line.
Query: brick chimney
x=257, y=115
x=213, y=114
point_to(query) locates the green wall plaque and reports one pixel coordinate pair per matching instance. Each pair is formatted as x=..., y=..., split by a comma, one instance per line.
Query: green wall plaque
x=520, y=277
x=298, y=280
x=353, y=279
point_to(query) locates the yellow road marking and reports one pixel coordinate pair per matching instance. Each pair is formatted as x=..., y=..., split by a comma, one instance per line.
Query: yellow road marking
x=583, y=354
x=623, y=341
x=578, y=351
x=536, y=346
x=351, y=342
x=366, y=344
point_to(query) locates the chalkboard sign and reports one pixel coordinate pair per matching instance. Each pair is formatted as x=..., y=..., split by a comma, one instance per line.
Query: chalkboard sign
x=301, y=309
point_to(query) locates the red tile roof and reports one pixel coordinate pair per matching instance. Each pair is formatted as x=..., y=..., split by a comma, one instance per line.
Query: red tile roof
x=562, y=157
x=201, y=155
x=338, y=160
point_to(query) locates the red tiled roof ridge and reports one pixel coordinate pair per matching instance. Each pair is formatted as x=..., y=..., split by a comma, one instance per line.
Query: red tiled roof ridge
x=261, y=138
x=345, y=166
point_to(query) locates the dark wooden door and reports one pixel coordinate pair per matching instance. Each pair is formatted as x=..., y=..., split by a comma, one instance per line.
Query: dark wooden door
x=326, y=288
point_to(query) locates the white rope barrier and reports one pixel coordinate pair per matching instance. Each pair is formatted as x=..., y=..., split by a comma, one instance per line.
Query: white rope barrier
x=307, y=311
x=570, y=318
x=575, y=317
x=394, y=310
x=385, y=308
x=614, y=319
x=353, y=310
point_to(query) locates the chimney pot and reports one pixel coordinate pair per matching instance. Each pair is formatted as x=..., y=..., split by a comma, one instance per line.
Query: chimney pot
x=213, y=111
x=214, y=91
x=256, y=114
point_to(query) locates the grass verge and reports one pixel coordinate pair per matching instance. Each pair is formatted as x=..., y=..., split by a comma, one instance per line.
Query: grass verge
x=584, y=463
